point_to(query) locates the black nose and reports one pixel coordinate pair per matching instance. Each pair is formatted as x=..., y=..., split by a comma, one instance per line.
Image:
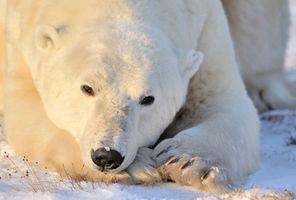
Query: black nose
x=106, y=159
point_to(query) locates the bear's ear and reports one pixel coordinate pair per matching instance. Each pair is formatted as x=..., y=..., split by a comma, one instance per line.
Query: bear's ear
x=189, y=62
x=46, y=38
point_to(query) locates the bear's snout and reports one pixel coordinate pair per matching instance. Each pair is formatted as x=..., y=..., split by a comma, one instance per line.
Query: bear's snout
x=106, y=158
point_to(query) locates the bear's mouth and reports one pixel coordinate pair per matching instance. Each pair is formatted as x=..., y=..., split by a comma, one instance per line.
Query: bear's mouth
x=128, y=160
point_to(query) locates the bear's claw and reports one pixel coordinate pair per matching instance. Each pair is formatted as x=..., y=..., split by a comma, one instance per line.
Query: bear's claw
x=178, y=163
x=195, y=172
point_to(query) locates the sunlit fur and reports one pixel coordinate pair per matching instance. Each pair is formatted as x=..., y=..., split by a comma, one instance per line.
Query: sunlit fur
x=125, y=50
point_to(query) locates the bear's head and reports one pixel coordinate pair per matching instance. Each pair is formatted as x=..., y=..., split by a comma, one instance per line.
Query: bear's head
x=114, y=89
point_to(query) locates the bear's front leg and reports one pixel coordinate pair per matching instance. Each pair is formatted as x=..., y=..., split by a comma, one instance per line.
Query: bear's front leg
x=217, y=140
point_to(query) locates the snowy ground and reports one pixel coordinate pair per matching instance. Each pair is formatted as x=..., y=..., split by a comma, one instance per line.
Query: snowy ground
x=275, y=178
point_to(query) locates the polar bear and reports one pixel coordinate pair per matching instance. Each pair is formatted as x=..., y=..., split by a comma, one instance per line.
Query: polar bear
x=142, y=91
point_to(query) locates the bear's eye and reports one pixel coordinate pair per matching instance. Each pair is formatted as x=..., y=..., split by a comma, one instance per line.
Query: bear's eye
x=146, y=101
x=86, y=89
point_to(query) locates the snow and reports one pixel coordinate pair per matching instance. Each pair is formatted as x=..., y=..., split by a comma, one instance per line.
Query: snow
x=277, y=168
x=274, y=179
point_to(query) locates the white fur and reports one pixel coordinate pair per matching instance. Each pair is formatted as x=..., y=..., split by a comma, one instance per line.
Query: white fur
x=181, y=52
x=261, y=49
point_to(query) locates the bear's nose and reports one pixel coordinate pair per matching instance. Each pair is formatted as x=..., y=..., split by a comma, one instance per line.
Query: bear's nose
x=106, y=158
